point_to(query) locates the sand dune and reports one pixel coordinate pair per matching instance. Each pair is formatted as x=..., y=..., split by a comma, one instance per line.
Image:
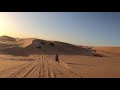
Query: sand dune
x=28, y=46
x=7, y=38
x=35, y=58
x=108, y=51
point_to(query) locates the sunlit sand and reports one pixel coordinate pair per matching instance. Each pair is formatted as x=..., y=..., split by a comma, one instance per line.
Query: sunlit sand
x=21, y=58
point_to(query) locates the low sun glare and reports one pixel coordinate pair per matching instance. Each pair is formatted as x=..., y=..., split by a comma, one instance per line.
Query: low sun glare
x=3, y=24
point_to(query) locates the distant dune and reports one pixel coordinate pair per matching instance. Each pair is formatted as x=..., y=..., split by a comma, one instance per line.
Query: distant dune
x=28, y=46
x=108, y=50
x=6, y=38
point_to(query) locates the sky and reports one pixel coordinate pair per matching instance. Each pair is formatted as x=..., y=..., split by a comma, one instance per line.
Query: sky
x=80, y=28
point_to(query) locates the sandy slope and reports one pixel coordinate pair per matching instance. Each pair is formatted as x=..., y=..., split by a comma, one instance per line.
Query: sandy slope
x=28, y=46
x=71, y=66
x=44, y=66
x=20, y=58
x=20, y=54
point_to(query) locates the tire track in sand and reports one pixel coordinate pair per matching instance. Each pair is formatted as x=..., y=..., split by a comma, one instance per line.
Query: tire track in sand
x=23, y=71
x=44, y=66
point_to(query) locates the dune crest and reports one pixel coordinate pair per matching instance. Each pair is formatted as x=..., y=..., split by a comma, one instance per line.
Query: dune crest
x=28, y=46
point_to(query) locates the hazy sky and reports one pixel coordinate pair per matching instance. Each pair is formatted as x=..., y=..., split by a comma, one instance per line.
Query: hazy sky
x=81, y=28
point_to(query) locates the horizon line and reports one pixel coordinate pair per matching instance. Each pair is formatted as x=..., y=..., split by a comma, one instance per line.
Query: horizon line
x=64, y=42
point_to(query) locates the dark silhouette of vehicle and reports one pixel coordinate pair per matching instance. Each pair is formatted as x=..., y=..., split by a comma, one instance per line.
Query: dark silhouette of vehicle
x=38, y=46
x=98, y=55
x=57, y=58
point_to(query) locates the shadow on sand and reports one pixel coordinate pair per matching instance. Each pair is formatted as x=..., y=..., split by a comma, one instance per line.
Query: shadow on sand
x=46, y=48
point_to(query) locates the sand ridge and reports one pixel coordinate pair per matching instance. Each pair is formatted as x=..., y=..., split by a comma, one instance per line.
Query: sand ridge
x=21, y=58
x=28, y=46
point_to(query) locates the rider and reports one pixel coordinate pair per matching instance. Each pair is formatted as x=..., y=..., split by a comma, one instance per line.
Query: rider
x=57, y=58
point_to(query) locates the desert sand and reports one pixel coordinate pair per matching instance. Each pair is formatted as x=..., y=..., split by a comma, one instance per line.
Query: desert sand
x=21, y=58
